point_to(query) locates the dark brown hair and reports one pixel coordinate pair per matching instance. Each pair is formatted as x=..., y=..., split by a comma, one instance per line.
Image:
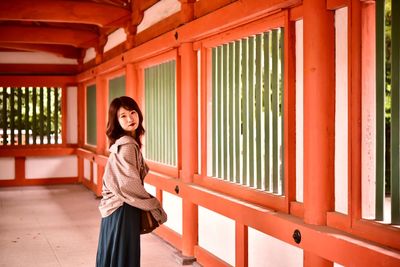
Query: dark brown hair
x=114, y=129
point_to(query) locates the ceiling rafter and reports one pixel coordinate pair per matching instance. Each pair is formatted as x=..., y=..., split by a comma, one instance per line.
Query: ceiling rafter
x=86, y=12
x=47, y=35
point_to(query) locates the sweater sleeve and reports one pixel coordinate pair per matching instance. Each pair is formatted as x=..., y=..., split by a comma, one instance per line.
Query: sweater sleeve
x=127, y=184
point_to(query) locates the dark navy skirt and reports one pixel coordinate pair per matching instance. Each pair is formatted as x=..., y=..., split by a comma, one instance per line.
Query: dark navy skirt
x=119, y=241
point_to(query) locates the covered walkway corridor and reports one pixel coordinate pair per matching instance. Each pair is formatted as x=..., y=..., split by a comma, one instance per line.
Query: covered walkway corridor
x=58, y=226
x=272, y=127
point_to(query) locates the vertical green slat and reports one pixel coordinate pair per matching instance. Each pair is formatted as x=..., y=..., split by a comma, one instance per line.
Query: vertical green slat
x=266, y=99
x=169, y=140
x=380, y=109
x=159, y=110
x=230, y=113
x=26, y=115
x=49, y=113
x=281, y=99
x=219, y=113
x=237, y=111
x=41, y=114
x=258, y=111
x=174, y=112
x=395, y=116
x=56, y=105
x=153, y=114
x=275, y=111
x=4, y=114
x=167, y=107
x=34, y=121
x=245, y=109
x=214, y=112
x=147, y=112
x=161, y=114
x=251, y=110
x=12, y=123
x=225, y=110
x=19, y=116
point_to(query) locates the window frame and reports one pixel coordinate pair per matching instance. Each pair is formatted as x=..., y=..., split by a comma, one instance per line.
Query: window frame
x=277, y=202
x=171, y=171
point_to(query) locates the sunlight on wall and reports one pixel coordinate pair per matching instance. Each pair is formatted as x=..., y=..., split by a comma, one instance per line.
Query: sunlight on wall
x=265, y=250
x=51, y=167
x=173, y=207
x=214, y=230
x=341, y=111
x=299, y=112
x=72, y=116
x=161, y=10
x=7, y=167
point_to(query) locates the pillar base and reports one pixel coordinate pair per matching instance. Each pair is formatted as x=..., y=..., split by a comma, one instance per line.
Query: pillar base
x=184, y=260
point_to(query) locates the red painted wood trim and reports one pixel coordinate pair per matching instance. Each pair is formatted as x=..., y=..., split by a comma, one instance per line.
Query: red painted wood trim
x=40, y=80
x=206, y=258
x=336, y=4
x=242, y=245
x=319, y=108
x=244, y=193
x=163, y=169
x=297, y=209
x=38, y=151
x=296, y=13
x=355, y=111
x=44, y=181
x=289, y=110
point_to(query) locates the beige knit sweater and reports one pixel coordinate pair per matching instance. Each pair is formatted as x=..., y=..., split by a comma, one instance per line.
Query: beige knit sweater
x=123, y=181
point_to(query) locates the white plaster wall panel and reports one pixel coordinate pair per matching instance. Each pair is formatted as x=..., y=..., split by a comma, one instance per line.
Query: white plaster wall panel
x=265, y=250
x=95, y=178
x=72, y=116
x=173, y=207
x=34, y=58
x=7, y=168
x=368, y=122
x=159, y=11
x=86, y=169
x=217, y=235
x=115, y=38
x=51, y=167
x=150, y=189
x=341, y=111
x=90, y=54
x=299, y=112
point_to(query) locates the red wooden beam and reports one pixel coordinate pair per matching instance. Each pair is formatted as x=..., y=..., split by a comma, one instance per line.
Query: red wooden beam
x=63, y=11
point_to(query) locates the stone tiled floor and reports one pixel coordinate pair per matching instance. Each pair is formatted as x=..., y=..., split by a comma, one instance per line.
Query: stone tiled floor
x=59, y=226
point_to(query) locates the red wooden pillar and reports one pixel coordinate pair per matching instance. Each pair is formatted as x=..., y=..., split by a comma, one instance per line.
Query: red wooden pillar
x=319, y=123
x=131, y=81
x=101, y=112
x=189, y=139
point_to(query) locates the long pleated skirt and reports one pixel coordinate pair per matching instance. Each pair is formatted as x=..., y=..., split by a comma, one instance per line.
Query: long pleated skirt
x=119, y=241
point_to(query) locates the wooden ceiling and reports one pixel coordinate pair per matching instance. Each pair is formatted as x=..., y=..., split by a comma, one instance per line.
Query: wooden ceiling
x=63, y=27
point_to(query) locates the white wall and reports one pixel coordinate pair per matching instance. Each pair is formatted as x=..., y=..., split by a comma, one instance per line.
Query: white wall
x=72, y=116
x=86, y=169
x=173, y=207
x=7, y=167
x=51, y=167
x=217, y=235
x=159, y=11
x=341, y=111
x=265, y=250
x=299, y=112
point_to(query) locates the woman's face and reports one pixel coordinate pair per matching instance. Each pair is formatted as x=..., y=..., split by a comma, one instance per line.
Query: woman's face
x=128, y=119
